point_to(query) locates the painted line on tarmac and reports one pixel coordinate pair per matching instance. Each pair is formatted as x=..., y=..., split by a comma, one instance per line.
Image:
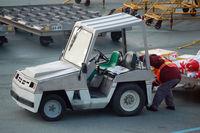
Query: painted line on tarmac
x=187, y=130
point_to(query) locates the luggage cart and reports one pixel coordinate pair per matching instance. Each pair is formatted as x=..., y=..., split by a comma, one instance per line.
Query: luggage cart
x=171, y=11
x=5, y=30
x=44, y=20
x=132, y=6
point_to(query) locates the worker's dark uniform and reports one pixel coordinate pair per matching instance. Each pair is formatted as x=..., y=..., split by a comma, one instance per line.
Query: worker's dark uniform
x=169, y=77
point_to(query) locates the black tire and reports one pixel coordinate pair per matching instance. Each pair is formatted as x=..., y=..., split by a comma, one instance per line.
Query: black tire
x=115, y=36
x=194, y=12
x=111, y=12
x=48, y=104
x=87, y=2
x=149, y=22
x=185, y=9
x=196, y=2
x=45, y=40
x=158, y=24
x=3, y=40
x=127, y=10
x=78, y=1
x=1, y=43
x=132, y=93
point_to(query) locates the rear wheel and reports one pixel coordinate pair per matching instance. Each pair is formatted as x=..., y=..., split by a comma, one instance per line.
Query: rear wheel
x=87, y=2
x=78, y=1
x=115, y=36
x=193, y=12
x=1, y=43
x=52, y=108
x=185, y=9
x=158, y=24
x=149, y=22
x=129, y=99
x=3, y=40
x=196, y=2
x=45, y=40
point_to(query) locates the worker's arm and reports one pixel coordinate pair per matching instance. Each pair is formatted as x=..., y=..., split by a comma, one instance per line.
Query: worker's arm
x=155, y=83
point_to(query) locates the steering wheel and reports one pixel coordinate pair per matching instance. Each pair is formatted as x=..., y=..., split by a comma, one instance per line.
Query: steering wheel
x=99, y=56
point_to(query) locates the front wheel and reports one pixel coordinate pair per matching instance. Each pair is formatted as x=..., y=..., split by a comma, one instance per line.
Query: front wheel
x=129, y=99
x=52, y=108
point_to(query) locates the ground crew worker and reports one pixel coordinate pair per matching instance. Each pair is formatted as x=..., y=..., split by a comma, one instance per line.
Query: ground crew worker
x=168, y=76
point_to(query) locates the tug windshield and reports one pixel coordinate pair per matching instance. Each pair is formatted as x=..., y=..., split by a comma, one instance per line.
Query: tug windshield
x=78, y=45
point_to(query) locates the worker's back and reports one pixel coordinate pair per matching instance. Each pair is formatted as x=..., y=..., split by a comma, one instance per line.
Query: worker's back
x=167, y=73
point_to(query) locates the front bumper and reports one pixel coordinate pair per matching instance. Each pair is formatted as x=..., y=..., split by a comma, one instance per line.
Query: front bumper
x=25, y=98
x=21, y=100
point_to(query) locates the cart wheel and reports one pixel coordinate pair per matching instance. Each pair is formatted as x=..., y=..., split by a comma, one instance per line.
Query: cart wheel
x=158, y=24
x=115, y=36
x=78, y=1
x=127, y=10
x=1, y=43
x=149, y=22
x=193, y=12
x=45, y=40
x=3, y=40
x=196, y=2
x=128, y=99
x=52, y=108
x=87, y=2
x=111, y=12
x=185, y=9
x=133, y=12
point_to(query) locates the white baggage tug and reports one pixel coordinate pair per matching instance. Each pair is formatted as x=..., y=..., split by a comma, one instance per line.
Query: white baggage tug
x=80, y=81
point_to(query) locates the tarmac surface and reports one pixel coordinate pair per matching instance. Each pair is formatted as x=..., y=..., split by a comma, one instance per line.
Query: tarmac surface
x=24, y=50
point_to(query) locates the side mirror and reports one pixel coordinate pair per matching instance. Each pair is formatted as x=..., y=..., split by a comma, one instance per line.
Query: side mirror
x=84, y=68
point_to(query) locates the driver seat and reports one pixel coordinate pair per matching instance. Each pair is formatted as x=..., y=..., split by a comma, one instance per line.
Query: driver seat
x=114, y=58
x=129, y=60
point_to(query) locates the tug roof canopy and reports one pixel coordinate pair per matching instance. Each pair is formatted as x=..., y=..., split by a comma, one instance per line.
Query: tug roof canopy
x=110, y=23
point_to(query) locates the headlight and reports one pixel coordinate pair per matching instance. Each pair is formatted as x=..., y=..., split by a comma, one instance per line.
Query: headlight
x=33, y=85
x=16, y=76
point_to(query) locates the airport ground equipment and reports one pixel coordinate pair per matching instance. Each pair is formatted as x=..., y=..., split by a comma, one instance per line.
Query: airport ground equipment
x=173, y=10
x=50, y=88
x=86, y=3
x=5, y=30
x=44, y=20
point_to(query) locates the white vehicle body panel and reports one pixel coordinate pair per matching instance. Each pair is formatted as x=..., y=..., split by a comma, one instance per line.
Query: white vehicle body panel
x=32, y=97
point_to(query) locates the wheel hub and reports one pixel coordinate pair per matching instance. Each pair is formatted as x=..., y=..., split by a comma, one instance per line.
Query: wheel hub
x=52, y=108
x=129, y=99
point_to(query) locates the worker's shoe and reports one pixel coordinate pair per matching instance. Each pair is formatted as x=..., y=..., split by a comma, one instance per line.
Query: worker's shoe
x=151, y=108
x=170, y=107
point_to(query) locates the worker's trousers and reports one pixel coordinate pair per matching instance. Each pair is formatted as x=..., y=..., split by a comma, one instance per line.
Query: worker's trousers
x=164, y=91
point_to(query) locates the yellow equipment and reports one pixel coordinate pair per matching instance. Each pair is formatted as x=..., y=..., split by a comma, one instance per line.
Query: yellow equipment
x=193, y=43
x=162, y=11
x=132, y=5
